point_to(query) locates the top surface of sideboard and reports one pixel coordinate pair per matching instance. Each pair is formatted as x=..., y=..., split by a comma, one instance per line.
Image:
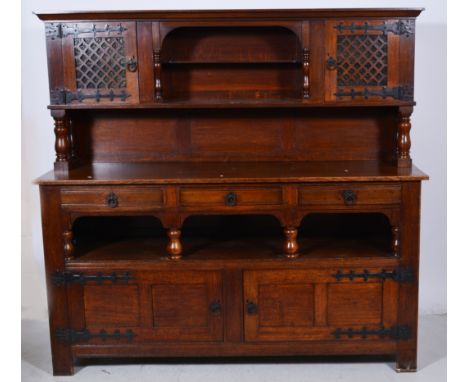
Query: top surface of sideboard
x=232, y=13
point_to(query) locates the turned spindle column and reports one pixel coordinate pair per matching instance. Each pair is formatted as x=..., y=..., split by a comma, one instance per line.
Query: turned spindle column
x=395, y=240
x=62, y=141
x=404, y=140
x=305, y=71
x=157, y=74
x=71, y=140
x=174, y=248
x=291, y=247
x=68, y=247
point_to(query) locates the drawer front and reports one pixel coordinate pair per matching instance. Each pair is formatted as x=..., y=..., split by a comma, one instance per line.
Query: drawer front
x=113, y=197
x=230, y=197
x=349, y=195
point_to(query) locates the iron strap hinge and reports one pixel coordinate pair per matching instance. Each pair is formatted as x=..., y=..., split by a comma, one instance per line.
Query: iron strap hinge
x=64, y=278
x=58, y=30
x=396, y=332
x=84, y=335
x=403, y=93
x=401, y=274
x=400, y=27
x=61, y=96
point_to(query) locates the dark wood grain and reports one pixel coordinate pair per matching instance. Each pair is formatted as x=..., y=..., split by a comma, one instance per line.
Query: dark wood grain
x=233, y=14
x=232, y=172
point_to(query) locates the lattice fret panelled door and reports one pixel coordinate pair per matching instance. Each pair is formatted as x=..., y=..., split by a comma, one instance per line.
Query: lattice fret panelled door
x=362, y=60
x=101, y=62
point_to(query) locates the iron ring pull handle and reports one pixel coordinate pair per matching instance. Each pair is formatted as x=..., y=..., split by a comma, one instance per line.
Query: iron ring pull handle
x=215, y=307
x=331, y=63
x=231, y=199
x=349, y=197
x=132, y=65
x=251, y=307
x=112, y=200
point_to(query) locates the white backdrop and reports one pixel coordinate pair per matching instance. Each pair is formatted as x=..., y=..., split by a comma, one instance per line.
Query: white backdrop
x=428, y=134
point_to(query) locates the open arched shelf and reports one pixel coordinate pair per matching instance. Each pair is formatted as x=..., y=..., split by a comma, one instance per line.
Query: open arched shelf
x=261, y=62
x=344, y=235
x=258, y=44
x=230, y=237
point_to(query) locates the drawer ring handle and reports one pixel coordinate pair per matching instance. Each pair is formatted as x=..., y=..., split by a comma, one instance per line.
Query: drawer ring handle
x=215, y=307
x=132, y=65
x=252, y=307
x=349, y=197
x=331, y=63
x=231, y=199
x=112, y=200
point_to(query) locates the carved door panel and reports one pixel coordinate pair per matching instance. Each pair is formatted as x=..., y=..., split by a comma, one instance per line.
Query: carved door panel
x=363, y=60
x=100, y=61
x=186, y=305
x=120, y=307
x=309, y=305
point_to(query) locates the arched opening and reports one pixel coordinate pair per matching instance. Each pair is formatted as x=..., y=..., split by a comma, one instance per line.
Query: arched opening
x=231, y=63
x=346, y=234
x=117, y=236
x=232, y=236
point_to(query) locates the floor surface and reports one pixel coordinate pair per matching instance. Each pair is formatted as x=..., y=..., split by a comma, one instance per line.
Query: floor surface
x=36, y=364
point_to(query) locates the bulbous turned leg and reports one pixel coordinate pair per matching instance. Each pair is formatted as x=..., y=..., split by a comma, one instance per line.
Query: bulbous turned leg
x=62, y=144
x=403, y=138
x=174, y=248
x=291, y=248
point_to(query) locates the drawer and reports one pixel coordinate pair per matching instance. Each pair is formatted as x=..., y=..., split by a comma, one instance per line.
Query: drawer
x=350, y=194
x=230, y=196
x=113, y=197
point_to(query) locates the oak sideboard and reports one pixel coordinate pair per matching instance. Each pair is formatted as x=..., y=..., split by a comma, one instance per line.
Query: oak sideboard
x=231, y=183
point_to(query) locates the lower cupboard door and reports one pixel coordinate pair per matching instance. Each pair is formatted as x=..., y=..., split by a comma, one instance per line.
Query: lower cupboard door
x=312, y=305
x=150, y=306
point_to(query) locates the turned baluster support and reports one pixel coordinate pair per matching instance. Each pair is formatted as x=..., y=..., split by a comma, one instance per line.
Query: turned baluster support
x=396, y=241
x=68, y=247
x=291, y=248
x=71, y=139
x=404, y=139
x=305, y=70
x=174, y=247
x=62, y=141
x=157, y=74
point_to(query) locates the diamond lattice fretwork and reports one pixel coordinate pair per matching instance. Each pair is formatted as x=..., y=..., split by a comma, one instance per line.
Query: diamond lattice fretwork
x=362, y=60
x=100, y=63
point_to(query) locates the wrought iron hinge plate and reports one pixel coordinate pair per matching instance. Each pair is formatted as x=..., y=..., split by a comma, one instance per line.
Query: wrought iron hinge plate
x=63, y=278
x=73, y=336
x=61, y=96
x=400, y=27
x=396, y=332
x=57, y=30
x=53, y=30
x=402, y=93
x=401, y=274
